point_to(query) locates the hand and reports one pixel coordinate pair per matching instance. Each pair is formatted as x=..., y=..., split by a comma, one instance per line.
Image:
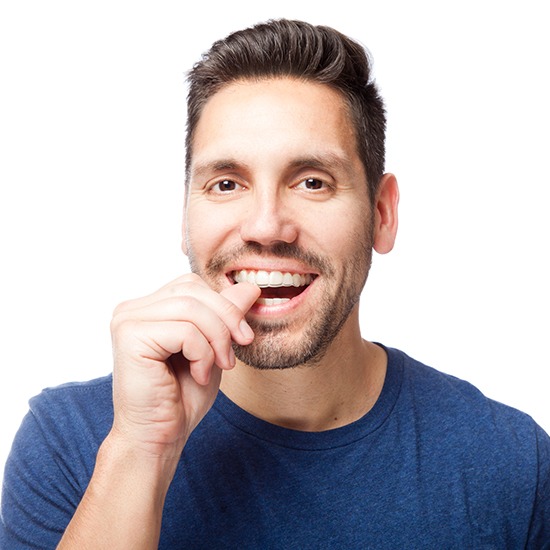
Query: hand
x=169, y=351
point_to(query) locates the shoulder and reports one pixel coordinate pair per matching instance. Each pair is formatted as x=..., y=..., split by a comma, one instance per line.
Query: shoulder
x=452, y=410
x=491, y=448
x=51, y=461
x=70, y=420
x=75, y=405
x=75, y=393
x=443, y=394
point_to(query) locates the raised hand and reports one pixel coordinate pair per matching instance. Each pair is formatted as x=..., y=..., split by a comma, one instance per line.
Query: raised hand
x=169, y=350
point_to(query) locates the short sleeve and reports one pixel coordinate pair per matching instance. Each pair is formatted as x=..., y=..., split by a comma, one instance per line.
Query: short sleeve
x=539, y=534
x=51, y=463
x=38, y=495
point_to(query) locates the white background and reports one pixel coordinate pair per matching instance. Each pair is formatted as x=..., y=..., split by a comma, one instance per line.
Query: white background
x=92, y=115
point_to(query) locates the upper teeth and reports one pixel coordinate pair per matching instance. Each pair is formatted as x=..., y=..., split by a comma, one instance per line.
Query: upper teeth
x=265, y=279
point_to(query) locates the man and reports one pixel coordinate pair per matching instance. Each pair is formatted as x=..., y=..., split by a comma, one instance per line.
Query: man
x=317, y=438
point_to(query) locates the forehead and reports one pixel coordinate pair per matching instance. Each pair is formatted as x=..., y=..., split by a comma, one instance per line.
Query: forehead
x=276, y=117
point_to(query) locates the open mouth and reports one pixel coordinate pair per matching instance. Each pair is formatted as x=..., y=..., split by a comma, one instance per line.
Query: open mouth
x=277, y=287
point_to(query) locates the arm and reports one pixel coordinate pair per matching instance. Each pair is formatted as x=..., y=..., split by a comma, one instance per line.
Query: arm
x=169, y=351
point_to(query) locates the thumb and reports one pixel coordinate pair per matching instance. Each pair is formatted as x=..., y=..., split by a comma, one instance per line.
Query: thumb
x=243, y=295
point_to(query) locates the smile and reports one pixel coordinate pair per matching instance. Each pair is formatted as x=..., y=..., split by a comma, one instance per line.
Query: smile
x=277, y=287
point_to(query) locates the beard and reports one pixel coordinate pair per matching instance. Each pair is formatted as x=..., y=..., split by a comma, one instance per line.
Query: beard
x=273, y=346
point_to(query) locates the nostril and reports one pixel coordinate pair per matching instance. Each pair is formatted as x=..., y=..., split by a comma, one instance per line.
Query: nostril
x=268, y=228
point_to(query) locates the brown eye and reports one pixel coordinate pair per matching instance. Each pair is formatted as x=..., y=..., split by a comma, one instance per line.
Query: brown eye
x=224, y=186
x=312, y=184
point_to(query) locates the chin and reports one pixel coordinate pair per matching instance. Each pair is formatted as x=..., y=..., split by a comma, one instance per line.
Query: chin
x=274, y=348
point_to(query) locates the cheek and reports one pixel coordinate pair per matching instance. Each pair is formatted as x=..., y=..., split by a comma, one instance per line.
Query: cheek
x=342, y=233
x=208, y=228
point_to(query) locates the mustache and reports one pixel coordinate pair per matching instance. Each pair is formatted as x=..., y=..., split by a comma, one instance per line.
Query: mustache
x=277, y=250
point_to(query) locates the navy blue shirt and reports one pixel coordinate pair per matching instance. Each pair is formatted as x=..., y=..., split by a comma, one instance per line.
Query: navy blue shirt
x=434, y=464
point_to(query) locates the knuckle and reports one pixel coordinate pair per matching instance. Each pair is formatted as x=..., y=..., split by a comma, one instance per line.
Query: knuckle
x=122, y=327
x=186, y=302
x=186, y=280
x=122, y=307
x=225, y=333
x=193, y=277
x=191, y=287
x=115, y=322
x=231, y=311
x=209, y=356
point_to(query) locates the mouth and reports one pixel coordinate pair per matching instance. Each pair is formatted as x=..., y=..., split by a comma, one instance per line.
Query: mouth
x=277, y=287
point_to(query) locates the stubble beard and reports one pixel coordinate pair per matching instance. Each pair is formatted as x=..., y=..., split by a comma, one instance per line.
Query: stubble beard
x=271, y=347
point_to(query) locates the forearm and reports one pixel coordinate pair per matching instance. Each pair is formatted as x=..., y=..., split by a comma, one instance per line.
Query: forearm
x=122, y=506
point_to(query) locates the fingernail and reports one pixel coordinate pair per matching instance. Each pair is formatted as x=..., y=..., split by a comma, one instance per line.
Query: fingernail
x=246, y=331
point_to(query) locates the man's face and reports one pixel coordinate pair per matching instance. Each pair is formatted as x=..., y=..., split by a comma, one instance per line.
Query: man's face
x=278, y=196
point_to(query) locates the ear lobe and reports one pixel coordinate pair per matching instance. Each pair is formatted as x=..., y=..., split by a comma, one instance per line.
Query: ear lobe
x=385, y=214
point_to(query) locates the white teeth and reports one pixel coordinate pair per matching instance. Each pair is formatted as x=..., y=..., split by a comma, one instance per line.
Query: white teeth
x=273, y=279
x=262, y=278
x=287, y=279
x=276, y=279
x=272, y=301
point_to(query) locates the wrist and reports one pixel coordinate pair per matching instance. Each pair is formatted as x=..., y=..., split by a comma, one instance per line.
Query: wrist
x=123, y=504
x=151, y=465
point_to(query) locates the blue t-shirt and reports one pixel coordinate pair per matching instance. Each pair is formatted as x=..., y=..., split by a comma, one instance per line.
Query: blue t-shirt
x=433, y=465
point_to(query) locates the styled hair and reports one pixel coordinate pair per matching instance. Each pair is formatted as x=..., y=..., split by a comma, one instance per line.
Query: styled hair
x=284, y=48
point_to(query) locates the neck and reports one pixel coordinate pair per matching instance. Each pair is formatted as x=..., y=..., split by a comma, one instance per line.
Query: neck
x=335, y=391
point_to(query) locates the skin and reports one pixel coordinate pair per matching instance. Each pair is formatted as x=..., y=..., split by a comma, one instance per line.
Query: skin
x=171, y=347
x=270, y=160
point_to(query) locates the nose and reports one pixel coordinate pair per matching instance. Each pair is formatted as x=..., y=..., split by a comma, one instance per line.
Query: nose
x=269, y=220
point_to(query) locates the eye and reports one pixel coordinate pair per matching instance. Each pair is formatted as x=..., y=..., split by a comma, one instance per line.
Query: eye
x=224, y=186
x=312, y=184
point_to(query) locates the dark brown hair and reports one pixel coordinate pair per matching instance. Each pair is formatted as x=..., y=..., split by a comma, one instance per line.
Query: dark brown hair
x=284, y=48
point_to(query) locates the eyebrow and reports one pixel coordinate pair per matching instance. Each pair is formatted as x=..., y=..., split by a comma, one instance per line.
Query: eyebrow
x=222, y=165
x=319, y=161
x=322, y=161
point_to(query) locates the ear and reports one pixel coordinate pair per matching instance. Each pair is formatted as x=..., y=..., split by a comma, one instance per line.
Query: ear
x=385, y=214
